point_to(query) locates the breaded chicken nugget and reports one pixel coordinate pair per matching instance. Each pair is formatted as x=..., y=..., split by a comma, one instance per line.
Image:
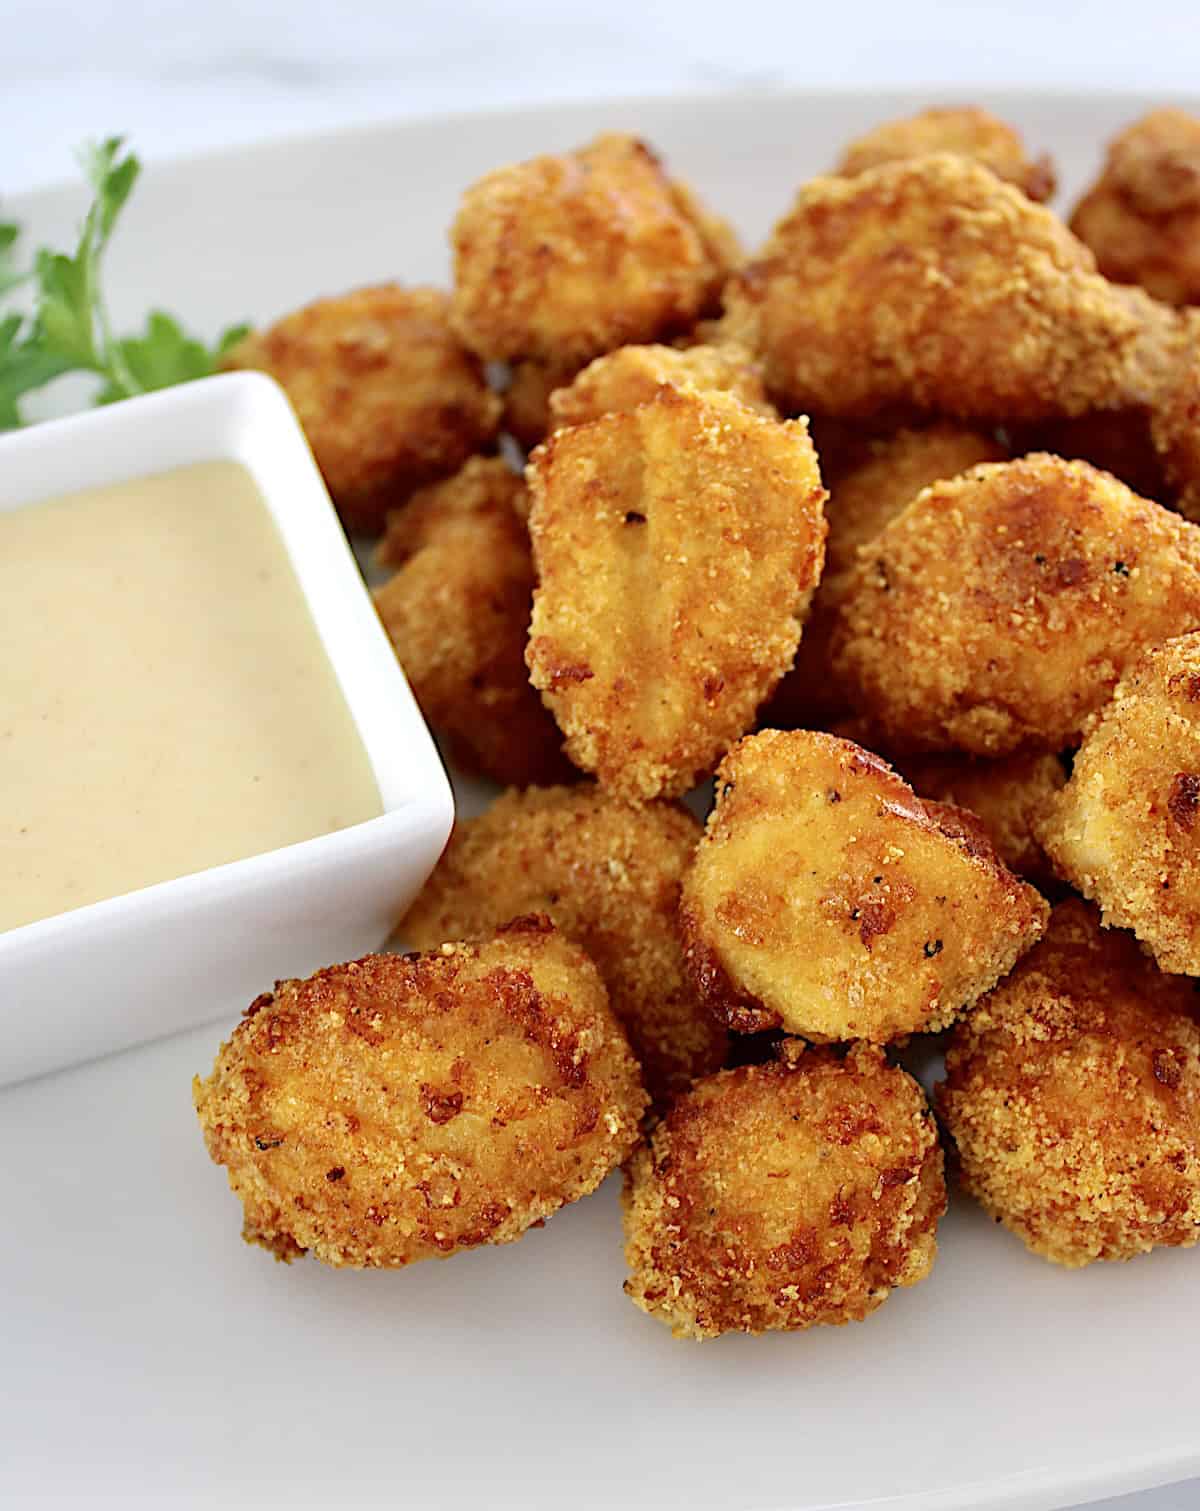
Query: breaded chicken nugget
x=633, y=375
x=1175, y=426
x=829, y=900
x=457, y=613
x=405, y=1108
x=1125, y=828
x=677, y=548
x=1142, y=216
x=527, y=415
x=786, y=1195
x=609, y=876
x=930, y=284
x=1008, y=796
x=562, y=258
x=888, y=472
x=967, y=131
x=1073, y=1094
x=1000, y=608
x=388, y=397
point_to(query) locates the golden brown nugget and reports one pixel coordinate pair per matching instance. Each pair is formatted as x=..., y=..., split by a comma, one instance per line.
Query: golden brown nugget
x=677, y=548
x=527, y=416
x=457, y=613
x=930, y=285
x=1175, y=426
x=967, y=131
x=633, y=375
x=609, y=875
x=1009, y=796
x=870, y=491
x=828, y=900
x=1073, y=1095
x=1142, y=216
x=786, y=1195
x=404, y=1108
x=1001, y=607
x=1125, y=828
x=387, y=395
x=563, y=257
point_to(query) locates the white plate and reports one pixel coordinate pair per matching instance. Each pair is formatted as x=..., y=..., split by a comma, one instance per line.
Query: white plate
x=147, y=1353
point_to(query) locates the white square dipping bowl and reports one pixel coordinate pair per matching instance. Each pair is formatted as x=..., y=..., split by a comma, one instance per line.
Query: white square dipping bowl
x=170, y=956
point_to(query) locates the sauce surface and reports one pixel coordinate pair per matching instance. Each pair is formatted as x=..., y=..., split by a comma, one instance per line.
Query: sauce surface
x=165, y=702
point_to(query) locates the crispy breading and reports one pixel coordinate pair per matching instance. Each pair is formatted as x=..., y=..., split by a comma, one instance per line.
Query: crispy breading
x=829, y=900
x=677, y=547
x=1000, y=608
x=633, y=375
x=1141, y=218
x=931, y=285
x=1124, y=829
x=563, y=257
x=967, y=131
x=388, y=397
x=1073, y=1095
x=1008, y=795
x=527, y=416
x=404, y=1108
x=457, y=612
x=609, y=875
x=1175, y=427
x=785, y=1195
x=888, y=472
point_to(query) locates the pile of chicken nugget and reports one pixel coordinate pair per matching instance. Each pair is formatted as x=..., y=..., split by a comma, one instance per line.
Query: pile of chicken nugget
x=886, y=532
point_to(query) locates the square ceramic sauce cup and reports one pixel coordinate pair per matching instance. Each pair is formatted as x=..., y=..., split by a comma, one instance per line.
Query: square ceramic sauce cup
x=183, y=952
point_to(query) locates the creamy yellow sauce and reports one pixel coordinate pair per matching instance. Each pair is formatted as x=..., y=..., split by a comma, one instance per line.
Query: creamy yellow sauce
x=165, y=702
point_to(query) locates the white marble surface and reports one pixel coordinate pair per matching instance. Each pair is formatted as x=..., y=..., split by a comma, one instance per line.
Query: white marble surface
x=181, y=76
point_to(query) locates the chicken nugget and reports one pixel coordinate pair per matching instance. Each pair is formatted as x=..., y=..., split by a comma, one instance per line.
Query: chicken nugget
x=931, y=285
x=1124, y=829
x=388, y=397
x=829, y=900
x=1001, y=607
x=409, y=1107
x=633, y=375
x=527, y=416
x=457, y=613
x=1073, y=1095
x=563, y=257
x=1009, y=796
x=782, y=1196
x=967, y=131
x=609, y=875
x=888, y=472
x=1141, y=218
x=677, y=547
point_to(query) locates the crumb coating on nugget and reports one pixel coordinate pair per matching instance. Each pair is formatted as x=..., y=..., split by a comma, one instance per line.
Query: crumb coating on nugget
x=1126, y=828
x=563, y=257
x=633, y=375
x=677, y=548
x=967, y=131
x=609, y=875
x=388, y=397
x=889, y=472
x=457, y=614
x=829, y=900
x=1000, y=608
x=1073, y=1095
x=1142, y=216
x=405, y=1108
x=786, y=1195
x=1175, y=427
x=931, y=284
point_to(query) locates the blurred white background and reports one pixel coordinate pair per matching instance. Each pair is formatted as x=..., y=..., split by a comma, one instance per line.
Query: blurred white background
x=180, y=76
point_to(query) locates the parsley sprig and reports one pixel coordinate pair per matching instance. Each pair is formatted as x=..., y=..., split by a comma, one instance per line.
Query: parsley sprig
x=68, y=328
